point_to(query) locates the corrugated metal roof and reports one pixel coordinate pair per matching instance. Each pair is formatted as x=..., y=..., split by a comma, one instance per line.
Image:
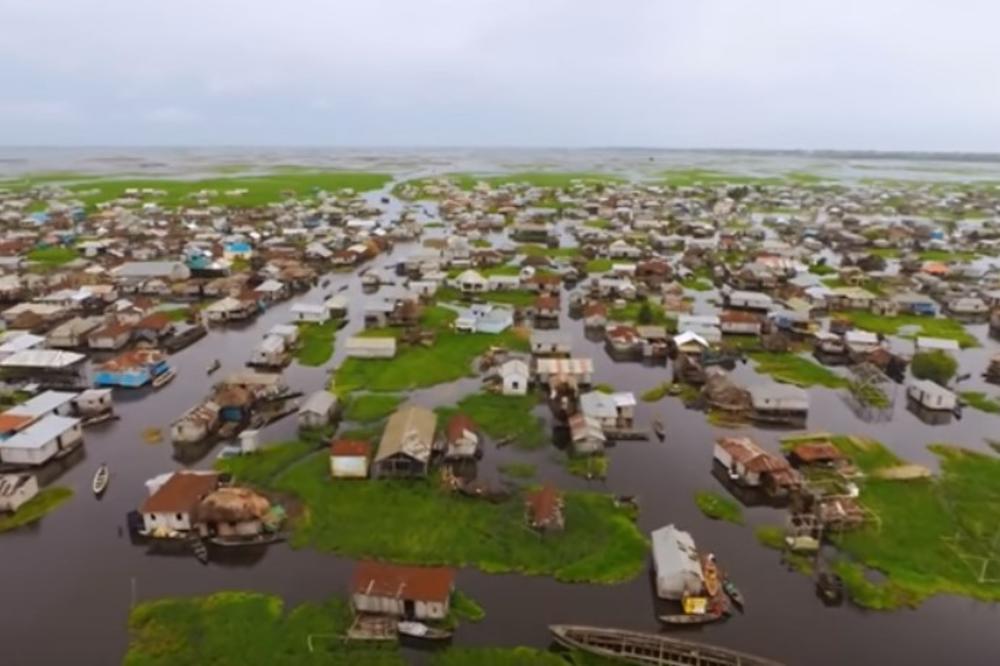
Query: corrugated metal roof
x=38, y=434
x=42, y=358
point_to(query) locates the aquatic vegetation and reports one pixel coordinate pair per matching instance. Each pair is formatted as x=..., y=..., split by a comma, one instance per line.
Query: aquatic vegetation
x=822, y=269
x=46, y=501
x=694, y=177
x=633, y=313
x=697, y=284
x=588, y=467
x=53, y=255
x=874, y=596
x=604, y=388
x=449, y=359
x=599, y=265
x=937, y=366
x=316, y=342
x=372, y=406
x=657, y=393
x=261, y=467
x=951, y=549
x=515, y=297
x=239, y=628
x=517, y=470
x=464, y=607
x=792, y=369
x=718, y=507
x=177, y=314
x=869, y=394
x=934, y=327
x=260, y=190
x=504, y=417
x=981, y=401
x=771, y=536
x=946, y=255
x=420, y=522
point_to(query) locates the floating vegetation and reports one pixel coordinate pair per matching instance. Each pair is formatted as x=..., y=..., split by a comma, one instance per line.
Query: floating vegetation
x=717, y=507
x=46, y=501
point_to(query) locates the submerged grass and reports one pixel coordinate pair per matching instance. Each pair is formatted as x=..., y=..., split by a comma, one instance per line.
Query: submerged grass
x=718, y=507
x=516, y=470
x=419, y=522
x=792, y=369
x=46, y=501
x=260, y=468
x=588, y=467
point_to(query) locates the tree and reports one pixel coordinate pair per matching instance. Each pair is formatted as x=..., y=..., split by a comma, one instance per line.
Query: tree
x=645, y=313
x=937, y=366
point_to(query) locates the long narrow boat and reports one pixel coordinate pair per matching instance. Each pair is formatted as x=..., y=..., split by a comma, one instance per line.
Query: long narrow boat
x=164, y=378
x=101, y=479
x=733, y=592
x=421, y=630
x=636, y=647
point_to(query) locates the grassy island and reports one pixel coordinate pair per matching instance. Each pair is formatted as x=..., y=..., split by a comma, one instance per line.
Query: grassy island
x=421, y=522
x=36, y=508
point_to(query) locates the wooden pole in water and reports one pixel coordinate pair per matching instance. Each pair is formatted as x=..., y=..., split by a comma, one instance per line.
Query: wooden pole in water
x=133, y=592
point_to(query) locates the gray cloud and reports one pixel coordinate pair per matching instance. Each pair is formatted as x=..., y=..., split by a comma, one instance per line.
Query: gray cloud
x=878, y=74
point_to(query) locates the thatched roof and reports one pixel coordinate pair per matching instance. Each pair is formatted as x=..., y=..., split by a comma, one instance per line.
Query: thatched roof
x=232, y=505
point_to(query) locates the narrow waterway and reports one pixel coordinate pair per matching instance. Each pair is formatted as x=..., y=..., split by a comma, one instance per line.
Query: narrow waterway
x=67, y=583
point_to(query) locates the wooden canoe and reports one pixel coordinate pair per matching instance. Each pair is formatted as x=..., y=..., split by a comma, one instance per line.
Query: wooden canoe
x=636, y=647
x=102, y=477
x=689, y=618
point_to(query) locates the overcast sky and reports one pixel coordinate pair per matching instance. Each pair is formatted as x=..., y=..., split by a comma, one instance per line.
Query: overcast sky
x=843, y=74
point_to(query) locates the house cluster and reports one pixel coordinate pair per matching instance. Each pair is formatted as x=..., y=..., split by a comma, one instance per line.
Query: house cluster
x=48, y=426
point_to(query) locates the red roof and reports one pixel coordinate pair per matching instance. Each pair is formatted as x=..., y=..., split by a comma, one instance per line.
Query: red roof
x=547, y=303
x=181, y=493
x=595, y=309
x=408, y=583
x=133, y=359
x=457, y=425
x=544, y=505
x=350, y=448
x=13, y=422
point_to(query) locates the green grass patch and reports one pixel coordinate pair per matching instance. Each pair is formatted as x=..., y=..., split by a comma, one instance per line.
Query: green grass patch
x=240, y=628
x=718, y=507
x=947, y=255
x=177, y=314
x=261, y=190
x=933, y=327
x=868, y=594
x=604, y=388
x=709, y=177
x=518, y=656
x=657, y=393
x=260, y=468
x=316, y=342
x=464, y=607
x=504, y=417
x=697, y=284
x=770, y=536
x=822, y=269
x=516, y=297
x=368, y=407
x=588, y=467
x=981, y=401
x=599, y=265
x=449, y=359
x=631, y=313
x=53, y=255
x=419, y=522
x=598, y=223
x=792, y=369
x=46, y=501
x=516, y=470
x=553, y=179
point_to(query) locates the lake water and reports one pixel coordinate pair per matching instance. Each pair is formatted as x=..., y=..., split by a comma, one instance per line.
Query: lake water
x=67, y=583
